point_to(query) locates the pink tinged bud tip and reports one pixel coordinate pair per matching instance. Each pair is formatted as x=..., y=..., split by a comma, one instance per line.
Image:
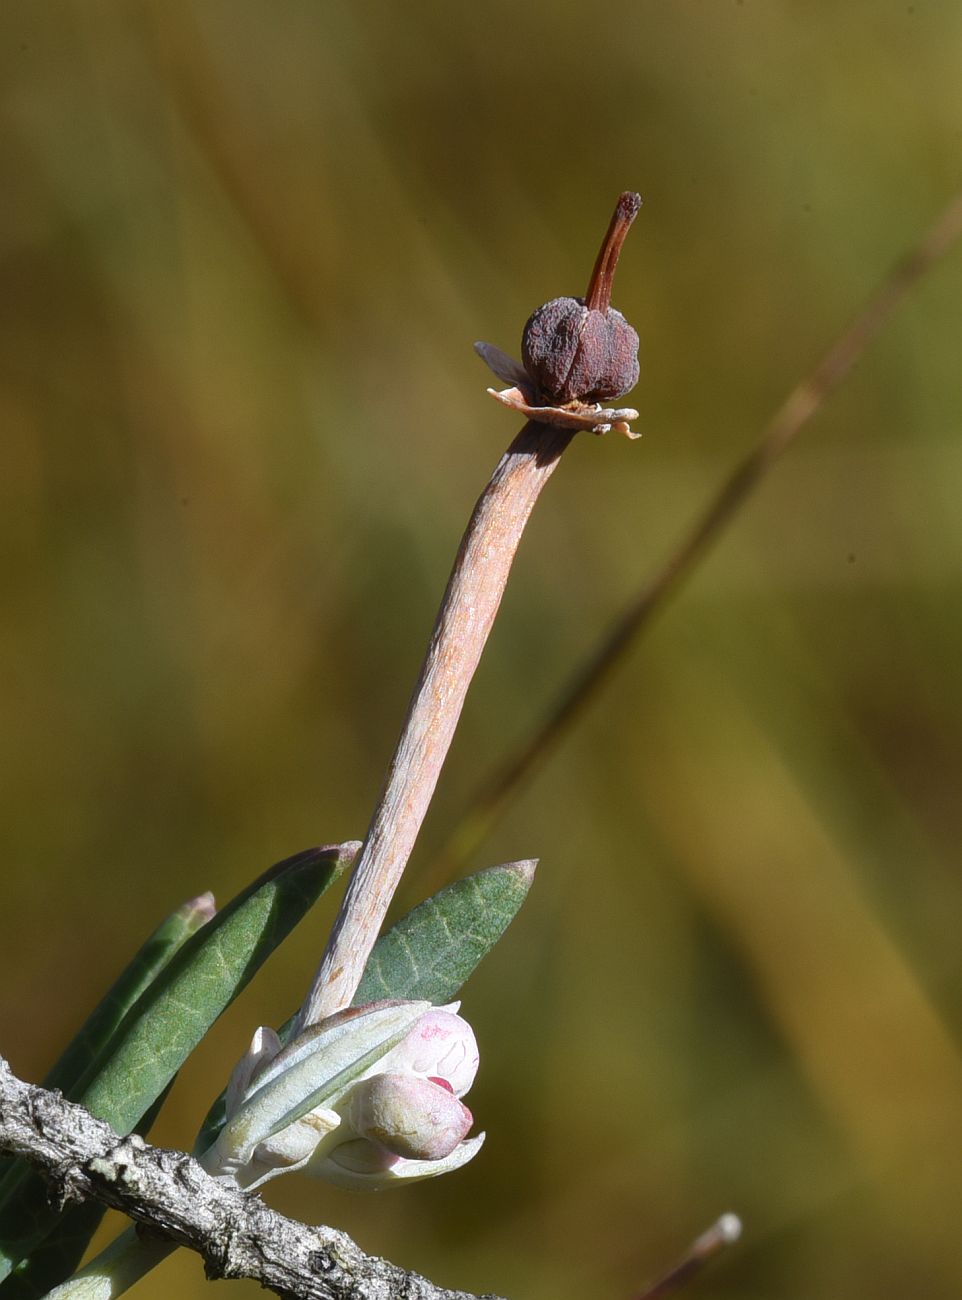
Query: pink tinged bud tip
x=408, y=1116
x=442, y=1047
x=201, y=909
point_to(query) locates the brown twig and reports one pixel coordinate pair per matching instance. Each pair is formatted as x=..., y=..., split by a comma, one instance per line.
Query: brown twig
x=802, y=403
x=722, y=1233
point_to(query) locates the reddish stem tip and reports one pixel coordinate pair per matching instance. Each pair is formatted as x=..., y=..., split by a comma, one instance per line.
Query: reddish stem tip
x=598, y=297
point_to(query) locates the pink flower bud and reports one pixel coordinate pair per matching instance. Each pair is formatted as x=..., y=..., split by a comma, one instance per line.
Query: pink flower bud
x=440, y=1046
x=385, y=1078
x=409, y=1116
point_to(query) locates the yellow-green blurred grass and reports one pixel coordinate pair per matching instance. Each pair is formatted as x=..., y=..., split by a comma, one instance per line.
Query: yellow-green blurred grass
x=245, y=249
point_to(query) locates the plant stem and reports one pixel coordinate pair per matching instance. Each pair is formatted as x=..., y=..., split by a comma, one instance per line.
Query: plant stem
x=464, y=620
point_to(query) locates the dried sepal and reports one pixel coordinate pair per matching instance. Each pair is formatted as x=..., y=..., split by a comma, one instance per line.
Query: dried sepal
x=590, y=417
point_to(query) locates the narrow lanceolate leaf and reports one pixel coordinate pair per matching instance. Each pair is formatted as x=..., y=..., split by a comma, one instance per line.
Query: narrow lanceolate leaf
x=203, y=979
x=91, y=1046
x=432, y=950
x=62, y=1249
x=172, y=1015
x=92, y=1042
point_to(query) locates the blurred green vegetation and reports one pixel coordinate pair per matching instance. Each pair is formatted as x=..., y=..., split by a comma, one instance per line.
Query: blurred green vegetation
x=244, y=249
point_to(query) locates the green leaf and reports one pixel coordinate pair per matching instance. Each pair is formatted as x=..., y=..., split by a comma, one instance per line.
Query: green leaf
x=429, y=953
x=432, y=950
x=92, y=1041
x=172, y=1015
x=203, y=979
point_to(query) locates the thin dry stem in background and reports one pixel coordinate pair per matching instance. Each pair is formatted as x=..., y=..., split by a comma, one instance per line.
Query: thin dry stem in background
x=723, y=1232
x=802, y=403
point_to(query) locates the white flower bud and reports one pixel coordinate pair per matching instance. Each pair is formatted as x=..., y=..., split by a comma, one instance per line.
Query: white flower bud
x=367, y=1097
x=307, y=1077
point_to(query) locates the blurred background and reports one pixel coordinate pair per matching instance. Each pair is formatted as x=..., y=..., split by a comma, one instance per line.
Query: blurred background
x=245, y=248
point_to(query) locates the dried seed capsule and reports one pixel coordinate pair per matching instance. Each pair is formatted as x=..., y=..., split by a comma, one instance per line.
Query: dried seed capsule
x=582, y=348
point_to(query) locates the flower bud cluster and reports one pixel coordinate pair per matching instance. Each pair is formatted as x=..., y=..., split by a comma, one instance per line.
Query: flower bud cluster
x=366, y=1098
